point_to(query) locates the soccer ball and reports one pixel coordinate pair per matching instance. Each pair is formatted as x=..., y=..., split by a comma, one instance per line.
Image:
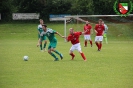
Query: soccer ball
x=25, y=58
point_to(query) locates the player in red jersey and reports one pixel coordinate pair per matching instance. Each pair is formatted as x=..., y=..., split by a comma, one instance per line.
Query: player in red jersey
x=88, y=29
x=99, y=29
x=74, y=38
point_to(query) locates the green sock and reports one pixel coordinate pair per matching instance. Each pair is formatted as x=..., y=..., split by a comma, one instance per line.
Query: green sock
x=44, y=45
x=106, y=40
x=57, y=52
x=41, y=46
x=53, y=55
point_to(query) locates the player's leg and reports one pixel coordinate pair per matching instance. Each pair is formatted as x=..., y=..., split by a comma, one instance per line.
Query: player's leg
x=89, y=38
x=40, y=39
x=40, y=44
x=85, y=41
x=78, y=47
x=105, y=37
x=52, y=54
x=96, y=42
x=90, y=42
x=61, y=55
x=100, y=43
x=53, y=46
x=45, y=43
x=71, y=52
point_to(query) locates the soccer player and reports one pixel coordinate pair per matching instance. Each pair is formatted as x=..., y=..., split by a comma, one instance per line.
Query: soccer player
x=105, y=32
x=88, y=29
x=99, y=30
x=74, y=38
x=50, y=33
x=43, y=38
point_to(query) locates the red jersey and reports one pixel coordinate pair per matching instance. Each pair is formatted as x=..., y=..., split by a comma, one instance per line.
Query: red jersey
x=74, y=38
x=99, y=29
x=88, y=29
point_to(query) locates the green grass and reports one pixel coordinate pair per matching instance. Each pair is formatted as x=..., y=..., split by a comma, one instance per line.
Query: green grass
x=112, y=67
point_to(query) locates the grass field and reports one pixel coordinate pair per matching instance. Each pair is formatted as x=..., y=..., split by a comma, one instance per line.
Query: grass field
x=112, y=67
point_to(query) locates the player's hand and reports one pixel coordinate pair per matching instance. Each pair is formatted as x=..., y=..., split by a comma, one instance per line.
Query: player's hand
x=37, y=44
x=63, y=37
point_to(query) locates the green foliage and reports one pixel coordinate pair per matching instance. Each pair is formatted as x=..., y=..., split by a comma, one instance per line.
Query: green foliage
x=6, y=9
x=82, y=7
x=47, y=7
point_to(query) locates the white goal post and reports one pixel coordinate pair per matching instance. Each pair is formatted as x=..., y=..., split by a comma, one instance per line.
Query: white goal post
x=78, y=17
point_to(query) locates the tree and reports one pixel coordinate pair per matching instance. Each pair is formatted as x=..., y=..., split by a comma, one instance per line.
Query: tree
x=6, y=9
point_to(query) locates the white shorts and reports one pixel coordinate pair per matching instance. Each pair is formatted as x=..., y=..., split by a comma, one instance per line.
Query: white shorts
x=98, y=38
x=87, y=37
x=76, y=47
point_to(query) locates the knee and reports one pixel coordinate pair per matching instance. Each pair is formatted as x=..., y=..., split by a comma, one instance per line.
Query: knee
x=45, y=41
x=49, y=51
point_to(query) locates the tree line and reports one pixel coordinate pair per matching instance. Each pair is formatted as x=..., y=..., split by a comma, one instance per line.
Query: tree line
x=47, y=7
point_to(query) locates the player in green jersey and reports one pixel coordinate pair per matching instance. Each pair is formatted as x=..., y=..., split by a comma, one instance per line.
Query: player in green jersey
x=105, y=32
x=43, y=38
x=50, y=33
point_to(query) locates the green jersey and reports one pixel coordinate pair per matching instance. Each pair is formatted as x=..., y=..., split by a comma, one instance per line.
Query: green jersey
x=50, y=34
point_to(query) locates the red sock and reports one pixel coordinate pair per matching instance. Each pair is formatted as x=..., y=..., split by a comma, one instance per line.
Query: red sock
x=91, y=42
x=72, y=55
x=85, y=43
x=83, y=56
x=100, y=45
x=97, y=44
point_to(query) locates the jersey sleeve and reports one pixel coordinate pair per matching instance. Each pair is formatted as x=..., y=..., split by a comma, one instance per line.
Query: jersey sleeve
x=96, y=27
x=51, y=31
x=69, y=38
x=80, y=33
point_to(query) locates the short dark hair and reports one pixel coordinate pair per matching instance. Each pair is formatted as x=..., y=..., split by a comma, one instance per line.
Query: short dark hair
x=44, y=25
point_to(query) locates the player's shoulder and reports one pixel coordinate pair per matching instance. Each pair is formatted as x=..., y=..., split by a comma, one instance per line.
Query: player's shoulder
x=50, y=30
x=39, y=26
x=96, y=24
x=78, y=32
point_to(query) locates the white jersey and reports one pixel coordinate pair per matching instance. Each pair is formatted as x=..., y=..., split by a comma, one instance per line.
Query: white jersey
x=39, y=26
x=106, y=28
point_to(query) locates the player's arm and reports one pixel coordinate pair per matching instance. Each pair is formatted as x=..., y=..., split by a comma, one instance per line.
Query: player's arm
x=39, y=40
x=103, y=30
x=95, y=29
x=59, y=34
x=82, y=33
x=68, y=39
x=91, y=30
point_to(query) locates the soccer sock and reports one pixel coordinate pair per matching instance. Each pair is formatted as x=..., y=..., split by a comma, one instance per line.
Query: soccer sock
x=72, y=55
x=97, y=44
x=85, y=43
x=91, y=42
x=83, y=56
x=57, y=52
x=53, y=55
x=100, y=45
x=106, y=40
x=44, y=45
x=41, y=46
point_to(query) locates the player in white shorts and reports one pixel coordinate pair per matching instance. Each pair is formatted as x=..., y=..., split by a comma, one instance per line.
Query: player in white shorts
x=76, y=47
x=99, y=29
x=87, y=30
x=74, y=38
